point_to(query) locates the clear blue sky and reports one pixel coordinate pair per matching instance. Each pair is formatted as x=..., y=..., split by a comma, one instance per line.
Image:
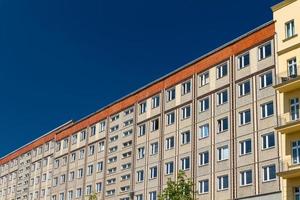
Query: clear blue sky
x=64, y=59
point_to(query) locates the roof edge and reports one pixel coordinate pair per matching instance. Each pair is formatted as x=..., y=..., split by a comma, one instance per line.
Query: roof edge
x=46, y=134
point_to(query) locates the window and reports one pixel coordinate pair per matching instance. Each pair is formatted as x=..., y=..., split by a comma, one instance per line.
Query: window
x=222, y=70
x=245, y=117
x=185, y=137
x=114, y=128
x=292, y=68
x=152, y=195
x=171, y=94
x=204, y=79
x=111, y=181
x=222, y=97
x=246, y=178
x=88, y=189
x=73, y=157
x=102, y=126
x=203, y=186
x=185, y=163
x=62, y=179
x=245, y=147
x=289, y=29
x=204, y=104
x=110, y=192
x=169, y=166
x=203, y=158
x=223, y=153
x=71, y=176
x=82, y=135
x=153, y=172
x=170, y=118
x=268, y=141
x=80, y=173
x=128, y=122
x=244, y=60
x=294, y=109
x=139, y=197
x=99, y=166
x=115, y=117
x=155, y=101
x=269, y=173
x=142, y=129
x=204, y=131
x=124, y=189
x=244, y=88
x=98, y=187
x=154, y=148
x=223, y=182
x=186, y=87
x=125, y=177
x=128, y=111
x=170, y=143
x=90, y=170
x=266, y=80
x=78, y=192
x=127, y=133
x=297, y=193
x=264, y=51
x=101, y=146
x=140, y=176
x=186, y=112
x=222, y=125
x=296, y=152
x=81, y=154
x=65, y=143
x=141, y=152
x=143, y=107
x=62, y=196
x=154, y=125
x=93, y=130
x=91, y=150
x=267, y=110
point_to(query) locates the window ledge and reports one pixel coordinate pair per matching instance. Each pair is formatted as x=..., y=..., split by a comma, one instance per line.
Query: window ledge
x=289, y=38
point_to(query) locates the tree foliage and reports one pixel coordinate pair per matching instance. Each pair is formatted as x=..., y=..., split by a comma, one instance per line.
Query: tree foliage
x=180, y=189
x=92, y=196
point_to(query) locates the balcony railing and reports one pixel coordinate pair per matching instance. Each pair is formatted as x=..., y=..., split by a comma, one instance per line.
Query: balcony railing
x=286, y=76
x=288, y=169
x=288, y=118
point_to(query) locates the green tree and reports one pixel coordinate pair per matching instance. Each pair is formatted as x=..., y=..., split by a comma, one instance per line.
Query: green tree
x=92, y=196
x=180, y=189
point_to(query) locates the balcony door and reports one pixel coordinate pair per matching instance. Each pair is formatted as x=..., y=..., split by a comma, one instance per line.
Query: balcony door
x=292, y=68
x=294, y=106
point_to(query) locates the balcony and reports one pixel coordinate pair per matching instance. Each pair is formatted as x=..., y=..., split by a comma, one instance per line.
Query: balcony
x=288, y=169
x=287, y=83
x=288, y=123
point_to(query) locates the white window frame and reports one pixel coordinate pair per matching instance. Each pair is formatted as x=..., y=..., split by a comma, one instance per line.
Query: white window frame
x=186, y=87
x=223, y=153
x=204, y=104
x=244, y=178
x=263, y=80
x=204, y=79
x=155, y=101
x=289, y=29
x=264, y=110
x=204, y=131
x=242, y=88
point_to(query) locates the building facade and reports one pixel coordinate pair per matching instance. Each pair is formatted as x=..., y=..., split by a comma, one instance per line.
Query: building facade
x=220, y=118
x=288, y=89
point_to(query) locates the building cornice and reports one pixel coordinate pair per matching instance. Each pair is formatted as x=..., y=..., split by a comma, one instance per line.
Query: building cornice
x=282, y=5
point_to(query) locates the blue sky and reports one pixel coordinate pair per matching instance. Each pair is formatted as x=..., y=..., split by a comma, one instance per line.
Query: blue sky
x=64, y=59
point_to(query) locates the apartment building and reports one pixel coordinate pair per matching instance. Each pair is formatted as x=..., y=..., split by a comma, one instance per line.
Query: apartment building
x=288, y=89
x=218, y=118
